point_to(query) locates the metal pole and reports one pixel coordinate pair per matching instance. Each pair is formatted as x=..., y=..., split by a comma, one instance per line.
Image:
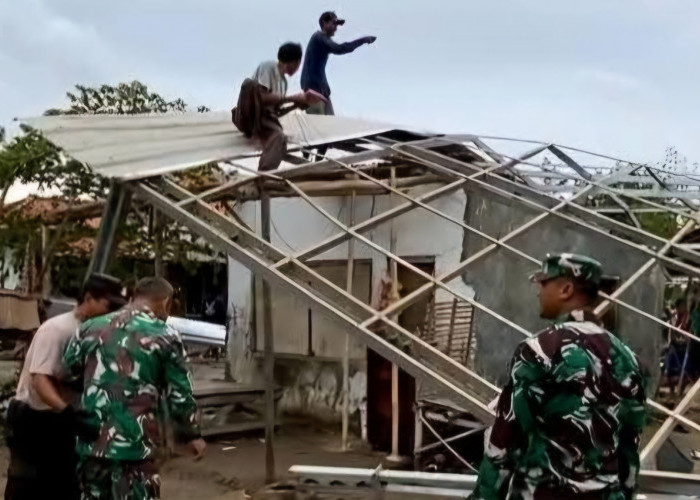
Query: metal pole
x=452, y=326
x=114, y=212
x=393, y=268
x=157, y=244
x=46, y=282
x=269, y=352
x=469, y=337
x=417, y=436
x=605, y=305
x=346, y=353
x=649, y=451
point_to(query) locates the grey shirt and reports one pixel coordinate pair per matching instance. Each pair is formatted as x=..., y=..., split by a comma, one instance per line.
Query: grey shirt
x=45, y=357
x=268, y=75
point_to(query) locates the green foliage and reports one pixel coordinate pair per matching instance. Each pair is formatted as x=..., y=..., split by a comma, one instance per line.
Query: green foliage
x=124, y=99
x=665, y=225
x=31, y=159
x=662, y=224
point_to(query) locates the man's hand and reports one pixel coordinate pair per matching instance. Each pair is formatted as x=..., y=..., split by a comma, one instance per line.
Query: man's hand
x=47, y=389
x=197, y=447
x=370, y=39
x=307, y=98
x=312, y=97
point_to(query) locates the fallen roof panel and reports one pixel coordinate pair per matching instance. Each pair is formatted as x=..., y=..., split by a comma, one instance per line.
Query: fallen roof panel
x=137, y=146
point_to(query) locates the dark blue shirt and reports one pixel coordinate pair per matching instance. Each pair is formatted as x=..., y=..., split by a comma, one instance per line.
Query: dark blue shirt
x=313, y=74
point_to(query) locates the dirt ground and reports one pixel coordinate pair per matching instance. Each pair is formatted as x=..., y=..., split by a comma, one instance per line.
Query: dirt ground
x=225, y=473
x=235, y=466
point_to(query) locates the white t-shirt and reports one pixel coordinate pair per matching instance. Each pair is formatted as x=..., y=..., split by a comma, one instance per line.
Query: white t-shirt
x=268, y=75
x=45, y=356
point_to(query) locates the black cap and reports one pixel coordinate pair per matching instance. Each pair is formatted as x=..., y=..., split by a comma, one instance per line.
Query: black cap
x=104, y=286
x=327, y=16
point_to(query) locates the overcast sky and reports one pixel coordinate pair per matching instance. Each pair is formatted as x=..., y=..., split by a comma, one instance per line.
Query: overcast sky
x=615, y=76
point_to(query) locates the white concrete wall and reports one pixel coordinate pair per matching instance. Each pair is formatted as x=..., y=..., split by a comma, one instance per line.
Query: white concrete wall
x=314, y=384
x=297, y=226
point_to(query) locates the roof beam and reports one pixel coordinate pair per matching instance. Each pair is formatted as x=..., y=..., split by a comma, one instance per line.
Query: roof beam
x=257, y=264
x=573, y=212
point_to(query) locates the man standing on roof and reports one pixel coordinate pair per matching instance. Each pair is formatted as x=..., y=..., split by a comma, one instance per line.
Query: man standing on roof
x=133, y=367
x=313, y=74
x=568, y=420
x=261, y=101
x=41, y=419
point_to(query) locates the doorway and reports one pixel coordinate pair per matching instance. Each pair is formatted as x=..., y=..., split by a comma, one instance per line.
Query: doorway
x=379, y=371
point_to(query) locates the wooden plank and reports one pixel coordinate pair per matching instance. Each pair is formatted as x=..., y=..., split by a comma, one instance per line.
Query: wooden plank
x=346, y=353
x=269, y=354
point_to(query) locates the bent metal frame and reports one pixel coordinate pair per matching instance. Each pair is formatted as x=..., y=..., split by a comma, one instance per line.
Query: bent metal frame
x=554, y=190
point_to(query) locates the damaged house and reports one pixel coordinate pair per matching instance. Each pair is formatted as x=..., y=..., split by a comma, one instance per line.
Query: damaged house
x=385, y=284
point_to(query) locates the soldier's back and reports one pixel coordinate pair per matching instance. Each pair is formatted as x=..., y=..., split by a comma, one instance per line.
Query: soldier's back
x=125, y=363
x=585, y=387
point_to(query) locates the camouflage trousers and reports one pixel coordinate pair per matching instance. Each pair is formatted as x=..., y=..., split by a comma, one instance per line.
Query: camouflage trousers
x=102, y=479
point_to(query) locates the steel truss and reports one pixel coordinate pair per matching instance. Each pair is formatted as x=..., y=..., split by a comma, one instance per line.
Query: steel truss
x=494, y=174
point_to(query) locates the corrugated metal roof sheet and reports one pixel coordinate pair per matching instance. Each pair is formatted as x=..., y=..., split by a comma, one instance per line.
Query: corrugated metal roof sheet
x=131, y=147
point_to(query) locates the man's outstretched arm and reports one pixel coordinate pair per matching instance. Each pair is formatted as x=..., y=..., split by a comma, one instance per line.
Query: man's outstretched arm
x=347, y=47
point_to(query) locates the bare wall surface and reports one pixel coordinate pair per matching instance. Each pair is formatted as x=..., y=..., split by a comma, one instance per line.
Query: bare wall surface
x=501, y=281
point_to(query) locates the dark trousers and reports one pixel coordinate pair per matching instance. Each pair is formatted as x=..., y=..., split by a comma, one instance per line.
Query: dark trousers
x=320, y=108
x=42, y=455
x=274, y=142
x=104, y=479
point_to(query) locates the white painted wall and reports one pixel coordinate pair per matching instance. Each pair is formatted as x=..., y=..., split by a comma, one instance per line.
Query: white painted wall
x=297, y=226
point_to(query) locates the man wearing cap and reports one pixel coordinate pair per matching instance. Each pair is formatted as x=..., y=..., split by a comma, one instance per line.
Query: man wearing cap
x=321, y=45
x=41, y=418
x=568, y=420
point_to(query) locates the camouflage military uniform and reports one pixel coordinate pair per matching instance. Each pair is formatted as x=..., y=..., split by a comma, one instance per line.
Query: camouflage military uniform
x=132, y=365
x=568, y=420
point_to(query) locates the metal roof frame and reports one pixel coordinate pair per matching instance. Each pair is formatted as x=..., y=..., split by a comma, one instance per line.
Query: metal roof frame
x=495, y=173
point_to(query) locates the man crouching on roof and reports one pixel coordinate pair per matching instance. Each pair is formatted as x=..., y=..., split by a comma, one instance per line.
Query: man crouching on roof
x=261, y=100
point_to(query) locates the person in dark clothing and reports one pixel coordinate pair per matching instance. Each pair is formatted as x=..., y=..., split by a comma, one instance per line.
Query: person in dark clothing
x=313, y=74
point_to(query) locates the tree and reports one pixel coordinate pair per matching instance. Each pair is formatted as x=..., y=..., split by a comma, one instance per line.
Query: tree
x=31, y=159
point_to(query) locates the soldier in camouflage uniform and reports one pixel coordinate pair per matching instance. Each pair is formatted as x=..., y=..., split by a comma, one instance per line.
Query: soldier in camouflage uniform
x=569, y=418
x=132, y=365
